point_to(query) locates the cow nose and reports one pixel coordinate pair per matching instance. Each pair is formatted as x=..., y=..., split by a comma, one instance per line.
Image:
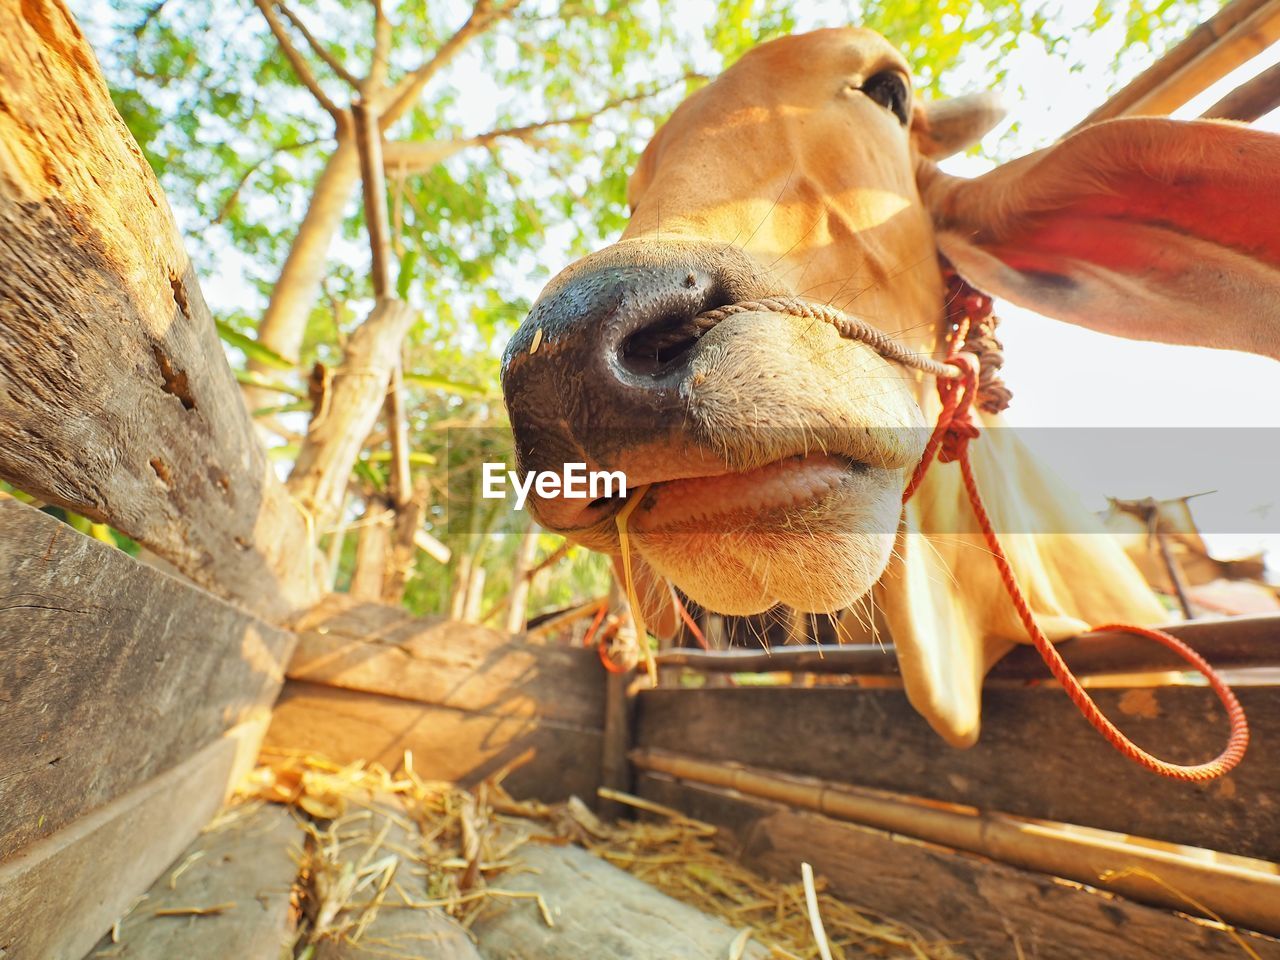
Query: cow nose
x=621, y=335
x=606, y=358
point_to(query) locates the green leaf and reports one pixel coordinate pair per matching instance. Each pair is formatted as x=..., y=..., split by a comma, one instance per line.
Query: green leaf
x=283, y=408
x=252, y=348
x=252, y=380
x=370, y=474
x=286, y=451
x=416, y=457
x=408, y=272
x=428, y=382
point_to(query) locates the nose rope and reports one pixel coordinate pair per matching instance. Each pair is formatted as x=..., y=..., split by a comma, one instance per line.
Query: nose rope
x=969, y=320
x=850, y=328
x=960, y=386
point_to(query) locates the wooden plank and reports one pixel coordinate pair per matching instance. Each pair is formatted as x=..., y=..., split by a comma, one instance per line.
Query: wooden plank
x=987, y=910
x=1238, y=890
x=346, y=725
x=1036, y=757
x=116, y=400
x=358, y=645
x=1238, y=642
x=240, y=871
x=113, y=672
x=599, y=911
x=615, y=770
x=1196, y=46
x=58, y=896
x=396, y=928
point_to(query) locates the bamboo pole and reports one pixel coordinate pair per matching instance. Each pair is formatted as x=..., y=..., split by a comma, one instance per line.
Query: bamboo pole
x=475, y=594
x=1211, y=51
x=1237, y=890
x=437, y=551
x=1251, y=100
x=1238, y=642
x=572, y=615
x=529, y=575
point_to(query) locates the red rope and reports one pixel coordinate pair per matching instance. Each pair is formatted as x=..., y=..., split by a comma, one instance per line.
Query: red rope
x=602, y=644
x=950, y=442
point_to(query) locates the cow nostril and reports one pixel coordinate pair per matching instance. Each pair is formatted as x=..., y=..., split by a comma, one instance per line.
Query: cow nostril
x=660, y=345
x=665, y=340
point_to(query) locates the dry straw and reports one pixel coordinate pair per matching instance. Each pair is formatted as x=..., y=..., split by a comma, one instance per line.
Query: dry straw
x=379, y=841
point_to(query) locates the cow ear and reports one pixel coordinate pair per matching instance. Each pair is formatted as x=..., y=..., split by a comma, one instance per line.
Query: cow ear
x=944, y=127
x=1145, y=228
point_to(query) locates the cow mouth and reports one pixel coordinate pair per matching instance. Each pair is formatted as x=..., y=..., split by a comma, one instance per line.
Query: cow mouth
x=766, y=495
x=812, y=531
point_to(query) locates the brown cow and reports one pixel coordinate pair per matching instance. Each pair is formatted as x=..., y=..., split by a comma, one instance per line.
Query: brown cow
x=778, y=452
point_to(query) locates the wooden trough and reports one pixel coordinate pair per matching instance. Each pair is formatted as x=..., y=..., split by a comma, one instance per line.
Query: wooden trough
x=134, y=699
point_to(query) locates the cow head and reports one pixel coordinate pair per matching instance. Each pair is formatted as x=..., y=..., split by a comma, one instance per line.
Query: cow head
x=776, y=451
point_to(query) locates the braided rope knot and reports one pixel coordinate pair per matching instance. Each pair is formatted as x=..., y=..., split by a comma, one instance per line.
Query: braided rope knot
x=957, y=426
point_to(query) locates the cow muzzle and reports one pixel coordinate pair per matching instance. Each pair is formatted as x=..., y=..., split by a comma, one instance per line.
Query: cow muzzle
x=764, y=435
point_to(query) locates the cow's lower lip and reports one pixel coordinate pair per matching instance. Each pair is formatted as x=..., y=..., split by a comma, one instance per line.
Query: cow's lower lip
x=784, y=485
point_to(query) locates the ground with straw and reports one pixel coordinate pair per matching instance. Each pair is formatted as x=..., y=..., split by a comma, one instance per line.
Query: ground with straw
x=379, y=840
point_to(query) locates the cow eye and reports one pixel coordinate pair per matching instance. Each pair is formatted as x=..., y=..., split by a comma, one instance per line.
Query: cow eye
x=889, y=89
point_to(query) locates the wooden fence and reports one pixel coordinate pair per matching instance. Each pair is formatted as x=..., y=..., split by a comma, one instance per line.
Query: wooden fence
x=130, y=698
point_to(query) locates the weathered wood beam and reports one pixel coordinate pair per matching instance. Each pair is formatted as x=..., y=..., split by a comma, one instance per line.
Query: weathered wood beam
x=381, y=649
x=1251, y=100
x=113, y=673
x=59, y=896
x=234, y=881
x=985, y=910
x=547, y=760
x=116, y=400
x=1235, y=643
x=599, y=911
x=1036, y=756
x=1235, y=33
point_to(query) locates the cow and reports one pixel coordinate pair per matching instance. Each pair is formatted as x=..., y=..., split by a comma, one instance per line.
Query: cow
x=774, y=452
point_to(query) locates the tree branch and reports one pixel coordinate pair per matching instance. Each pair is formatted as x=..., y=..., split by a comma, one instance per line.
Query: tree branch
x=381, y=51
x=321, y=51
x=410, y=157
x=405, y=93
x=229, y=204
x=151, y=14
x=300, y=67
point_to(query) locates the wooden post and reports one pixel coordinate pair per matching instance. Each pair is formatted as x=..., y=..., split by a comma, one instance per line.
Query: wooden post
x=372, y=172
x=116, y=400
x=522, y=579
x=619, y=712
x=373, y=547
x=475, y=594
